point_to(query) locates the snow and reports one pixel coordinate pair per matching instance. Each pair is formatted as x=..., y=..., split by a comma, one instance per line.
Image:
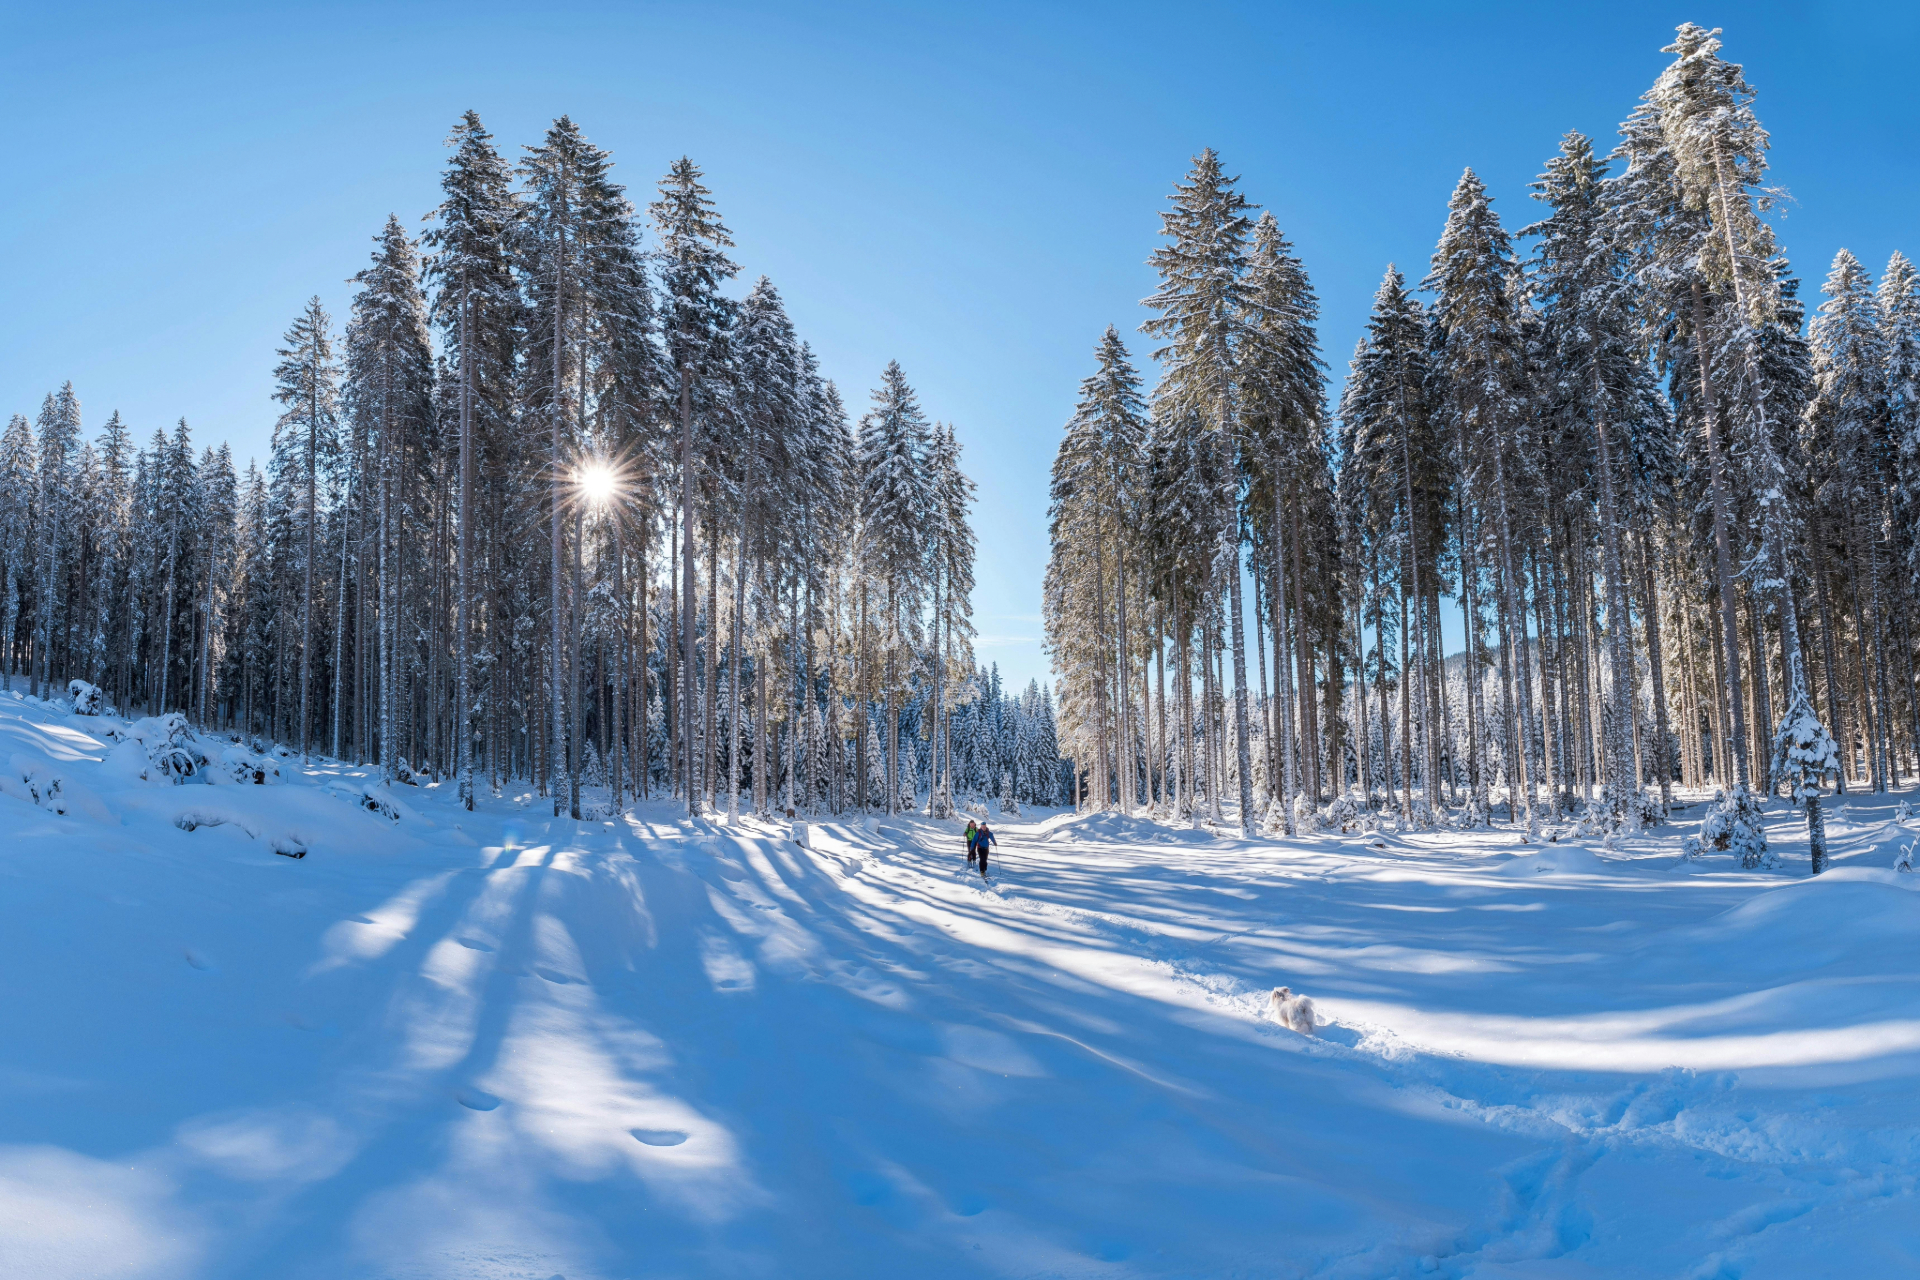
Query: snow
x=502, y=1045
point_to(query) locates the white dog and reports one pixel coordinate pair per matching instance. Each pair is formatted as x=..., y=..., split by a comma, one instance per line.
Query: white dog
x=1292, y=1011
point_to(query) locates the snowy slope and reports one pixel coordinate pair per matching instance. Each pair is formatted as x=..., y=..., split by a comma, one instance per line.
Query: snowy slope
x=500, y=1045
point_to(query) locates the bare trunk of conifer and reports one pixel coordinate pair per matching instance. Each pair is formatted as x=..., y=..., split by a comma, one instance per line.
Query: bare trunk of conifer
x=1512, y=736
x=1188, y=798
x=1301, y=694
x=675, y=668
x=557, y=754
x=1263, y=706
x=1406, y=708
x=1102, y=713
x=463, y=621
x=810, y=739
x=1283, y=663
x=1722, y=550
x=734, y=741
x=1662, y=754
x=1619, y=627
x=621, y=679
x=1470, y=613
x=1123, y=725
x=760, y=794
x=1511, y=586
x=683, y=713
x=1364, y=743
x=862, y=679
x=576, y=674
x=306, y=590
x=339, y=625
x=890, y=707
x=1163, y=800
x=709, y=705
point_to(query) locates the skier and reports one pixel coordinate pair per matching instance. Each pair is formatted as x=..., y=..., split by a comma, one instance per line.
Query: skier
x=981, y=839
x=971, y=829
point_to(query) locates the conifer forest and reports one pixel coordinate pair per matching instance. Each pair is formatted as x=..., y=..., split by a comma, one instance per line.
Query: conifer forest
x=1666, y=493
x=549, y=508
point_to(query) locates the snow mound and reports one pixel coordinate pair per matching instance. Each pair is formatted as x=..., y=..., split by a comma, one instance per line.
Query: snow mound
x=1857, y=903
x=40, y=782
x=1567, y=859
x=370, y=796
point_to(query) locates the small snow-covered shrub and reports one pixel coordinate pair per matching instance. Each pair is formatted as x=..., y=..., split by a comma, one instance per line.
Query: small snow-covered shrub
x=1903, y=812
x=172, y=747
x=87, y=698
x=1423, y=815
x=242, y=765
x=1690, y=848
x=26, y=780
x=1305, y=816
x=1344, y=813
x=1733, y=825
x=39, y=781
x=1650, y=811
x=1276, y=820
x=1475, y=816
x=1009, y=805
x=1905, y=861
x=365, y=796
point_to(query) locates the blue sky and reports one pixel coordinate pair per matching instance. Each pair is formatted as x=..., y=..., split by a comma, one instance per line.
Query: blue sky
x=971, y=190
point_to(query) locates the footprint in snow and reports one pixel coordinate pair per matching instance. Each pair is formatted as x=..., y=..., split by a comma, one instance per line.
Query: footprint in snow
x=473, y=944
x=475, y=1099
x=659, y=1137
x=558, y=978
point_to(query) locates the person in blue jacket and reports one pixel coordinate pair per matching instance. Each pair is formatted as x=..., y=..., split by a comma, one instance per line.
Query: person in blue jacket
x=982, y=838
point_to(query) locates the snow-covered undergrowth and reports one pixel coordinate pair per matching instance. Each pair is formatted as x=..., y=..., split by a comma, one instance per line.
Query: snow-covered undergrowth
x=500, y=1045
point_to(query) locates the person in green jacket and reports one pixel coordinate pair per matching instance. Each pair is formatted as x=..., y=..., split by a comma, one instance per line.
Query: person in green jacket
x=971, y=828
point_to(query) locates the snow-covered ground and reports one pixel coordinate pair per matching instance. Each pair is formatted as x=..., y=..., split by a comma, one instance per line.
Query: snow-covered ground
x=500, y=1045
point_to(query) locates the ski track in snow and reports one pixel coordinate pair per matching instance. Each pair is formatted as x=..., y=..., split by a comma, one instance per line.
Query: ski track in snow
x=504, y=1045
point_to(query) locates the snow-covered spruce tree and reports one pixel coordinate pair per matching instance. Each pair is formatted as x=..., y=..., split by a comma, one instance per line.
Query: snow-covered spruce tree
x=59, y=439
x=951, y=552
x=766, y=431
x=218, y=535
x=17, y=568
x=694, y=318
x=1804, y=757
x=1899, y=300
x=1201, y=301
x=476, y=305
x=1847, y=422
x=1481, y=365
x=1290, y=497
x=306, y=441
x=1603, y=392
x=1097, y=503
x=573, y=210
x=1691, y=203
x=895, y=505
x=388, y=398
x=1395, y=487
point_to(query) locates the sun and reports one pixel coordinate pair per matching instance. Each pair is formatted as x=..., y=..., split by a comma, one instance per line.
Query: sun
x=598, y=483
